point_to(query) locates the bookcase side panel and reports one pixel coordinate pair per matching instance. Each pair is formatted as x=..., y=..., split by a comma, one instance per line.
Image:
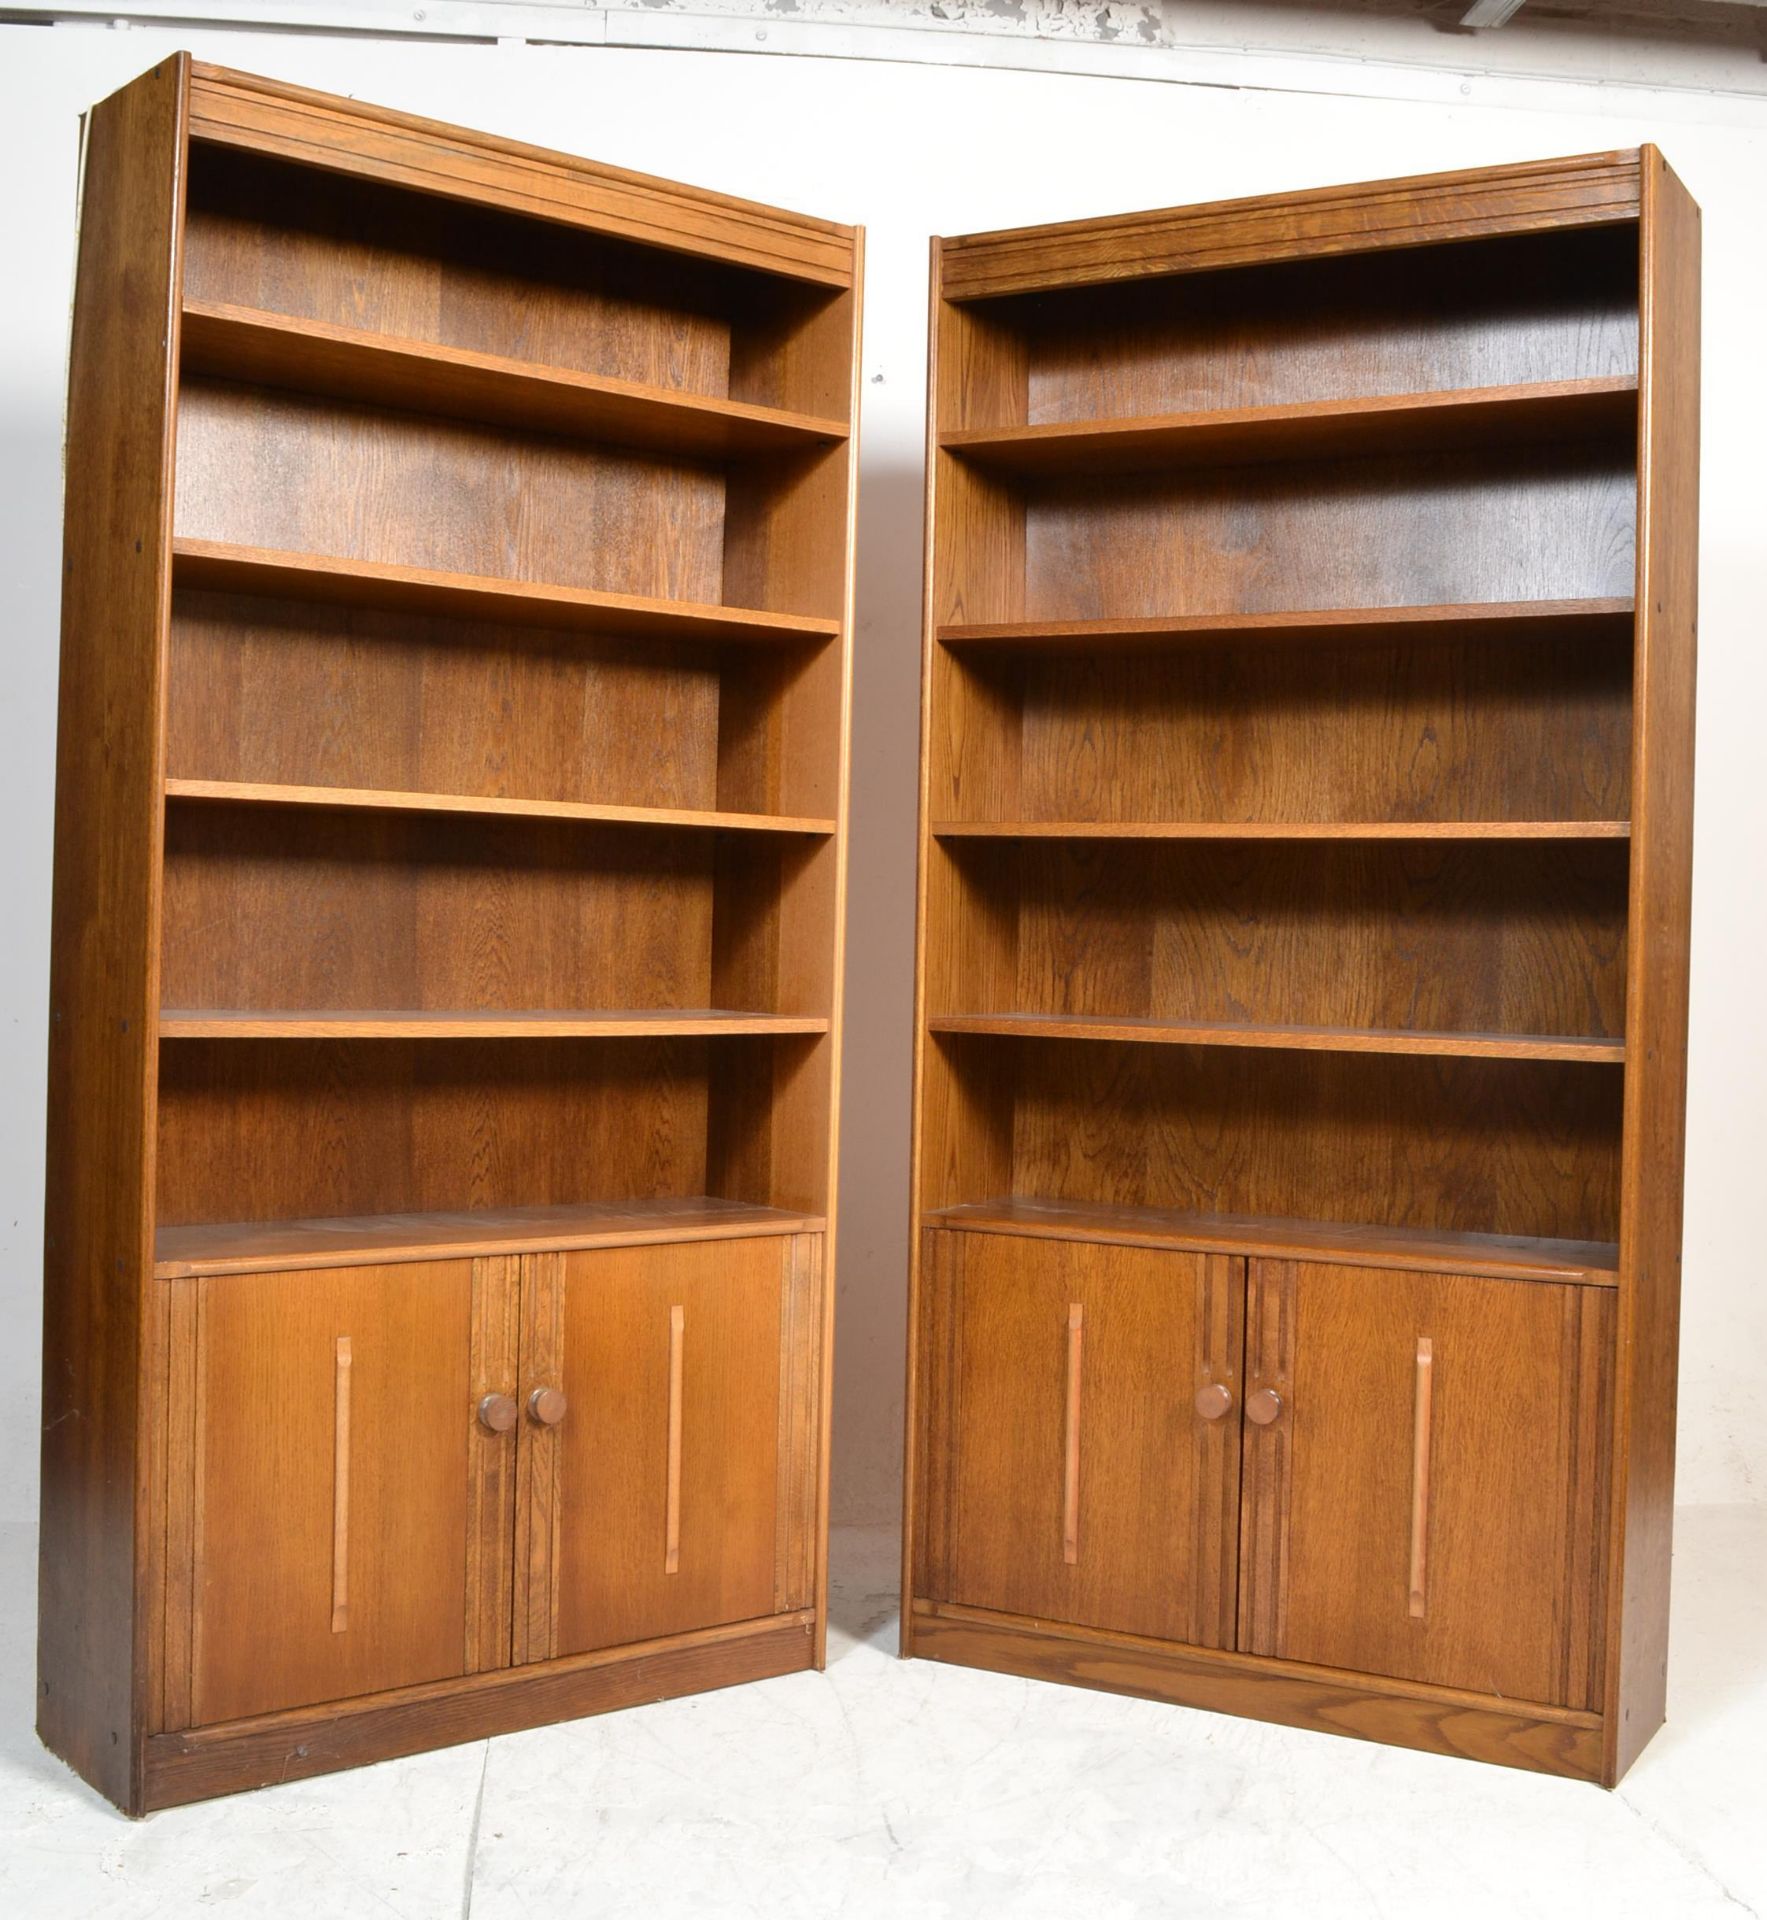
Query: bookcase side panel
x=98, y=1379
x=1655, y=1125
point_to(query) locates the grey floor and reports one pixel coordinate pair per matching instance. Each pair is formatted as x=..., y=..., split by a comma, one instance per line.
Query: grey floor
x=880, y=1788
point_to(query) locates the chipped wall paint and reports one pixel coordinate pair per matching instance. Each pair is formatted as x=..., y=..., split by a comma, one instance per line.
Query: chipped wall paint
x=1103, y=21
x=1536, y=63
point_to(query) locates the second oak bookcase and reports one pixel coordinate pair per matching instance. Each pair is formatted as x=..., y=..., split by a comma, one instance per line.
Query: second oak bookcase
x=447, y=939
x=1306, y=820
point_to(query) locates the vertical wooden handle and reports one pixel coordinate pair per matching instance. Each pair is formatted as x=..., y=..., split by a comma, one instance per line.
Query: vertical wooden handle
x=1070, y=1491
x=1420, y=1477
x=672, y=1516
x=340, y=1492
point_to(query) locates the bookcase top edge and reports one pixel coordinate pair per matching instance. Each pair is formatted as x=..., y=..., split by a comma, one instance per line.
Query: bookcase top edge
x=1593, y=189
x=403, y=149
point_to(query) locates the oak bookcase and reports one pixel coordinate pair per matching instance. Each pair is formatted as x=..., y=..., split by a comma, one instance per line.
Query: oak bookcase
x=447, y=939
x=1302, y=961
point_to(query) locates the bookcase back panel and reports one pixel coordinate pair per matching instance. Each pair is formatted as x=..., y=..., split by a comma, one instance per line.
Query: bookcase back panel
x=310, y=909
x=780, y=725
x=305, y=694
x=375, y=910
x=268, y=1130
x=1509, y=1147
x=262, y=468
x=1499, y=937
x=1486, y=314
x=1549, y=523
x=1453, y=730
x=285, y=238
x=299, y=1129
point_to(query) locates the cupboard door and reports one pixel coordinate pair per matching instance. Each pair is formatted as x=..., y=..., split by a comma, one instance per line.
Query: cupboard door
x=319, y=1481
x=670, y=1486
x=1425, y=1496
x=1084, y=1433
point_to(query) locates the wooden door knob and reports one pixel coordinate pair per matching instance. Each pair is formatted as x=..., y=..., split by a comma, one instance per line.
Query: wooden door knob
x=546, y=1406
x=497, y=1412
x=1263, y=1406
x=1213, y=1401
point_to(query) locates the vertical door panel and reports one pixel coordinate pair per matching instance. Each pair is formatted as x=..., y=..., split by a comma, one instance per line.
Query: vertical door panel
x=491, y=1461
x=655, y=1501
x=1078, y=1477
x=328, y=1452
x=1425, y=1501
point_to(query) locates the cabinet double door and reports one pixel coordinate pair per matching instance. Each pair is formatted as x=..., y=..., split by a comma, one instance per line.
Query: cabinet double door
x=1379, y=1471
x=380, y=1476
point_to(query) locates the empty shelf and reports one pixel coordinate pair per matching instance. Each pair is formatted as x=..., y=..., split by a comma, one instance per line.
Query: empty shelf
x=1233, y=1033
x=1526, y=621
x=423, y=1024
x=312, y=356
x=219, y=567
x=381, y=800
x=1507, y=1256
x=264, y=1246
x=1281, y=829
x=1309, y=430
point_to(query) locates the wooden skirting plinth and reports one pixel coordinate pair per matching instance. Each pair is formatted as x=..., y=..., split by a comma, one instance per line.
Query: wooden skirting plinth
x=197, y=1765
x=1434, y=1719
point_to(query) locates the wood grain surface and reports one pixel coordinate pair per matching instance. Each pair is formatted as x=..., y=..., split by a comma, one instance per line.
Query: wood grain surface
x=490, y=658
x=275, y=1246
x=1520, y=1375
x=1509, y=1257
x=268, y=1368
x=1655, y=1145
x=102, y=1448
x=1602, y=409
x=1306, y=790
x=1548, y=197
x=625, y=1432
x=1081, y=1483
x=330, y=578
x=230, y=342
x=451, y=164
x=1450, y=732
x=303, y=1742
x=1525, y=309
x=1511, y=937
x=1434, y=1720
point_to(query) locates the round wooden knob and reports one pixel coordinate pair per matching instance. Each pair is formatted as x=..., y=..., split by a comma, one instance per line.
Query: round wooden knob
x=1263, y=1406
x=497, y=1412
x=1212, y=1402
x=546, y=1406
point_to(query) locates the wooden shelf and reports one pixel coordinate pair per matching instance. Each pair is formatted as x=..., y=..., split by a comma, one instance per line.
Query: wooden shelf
x=273, y=1246
x=1506, y=1256
x=217, y=567
x=378, y=800
x=1309, y=430
x=1281, y=829
x=1533, y=622
x=310, y=356
x=232, y=1023
x=1231, y=1033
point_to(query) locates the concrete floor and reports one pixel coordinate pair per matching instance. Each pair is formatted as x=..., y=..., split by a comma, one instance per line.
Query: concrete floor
x=880, y=1788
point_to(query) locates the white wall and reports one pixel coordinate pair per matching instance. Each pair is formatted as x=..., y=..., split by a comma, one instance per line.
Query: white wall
x=911, y=151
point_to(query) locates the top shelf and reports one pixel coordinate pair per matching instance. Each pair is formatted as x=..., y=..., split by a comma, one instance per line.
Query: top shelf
x=312, y=356
x=1309, y=430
